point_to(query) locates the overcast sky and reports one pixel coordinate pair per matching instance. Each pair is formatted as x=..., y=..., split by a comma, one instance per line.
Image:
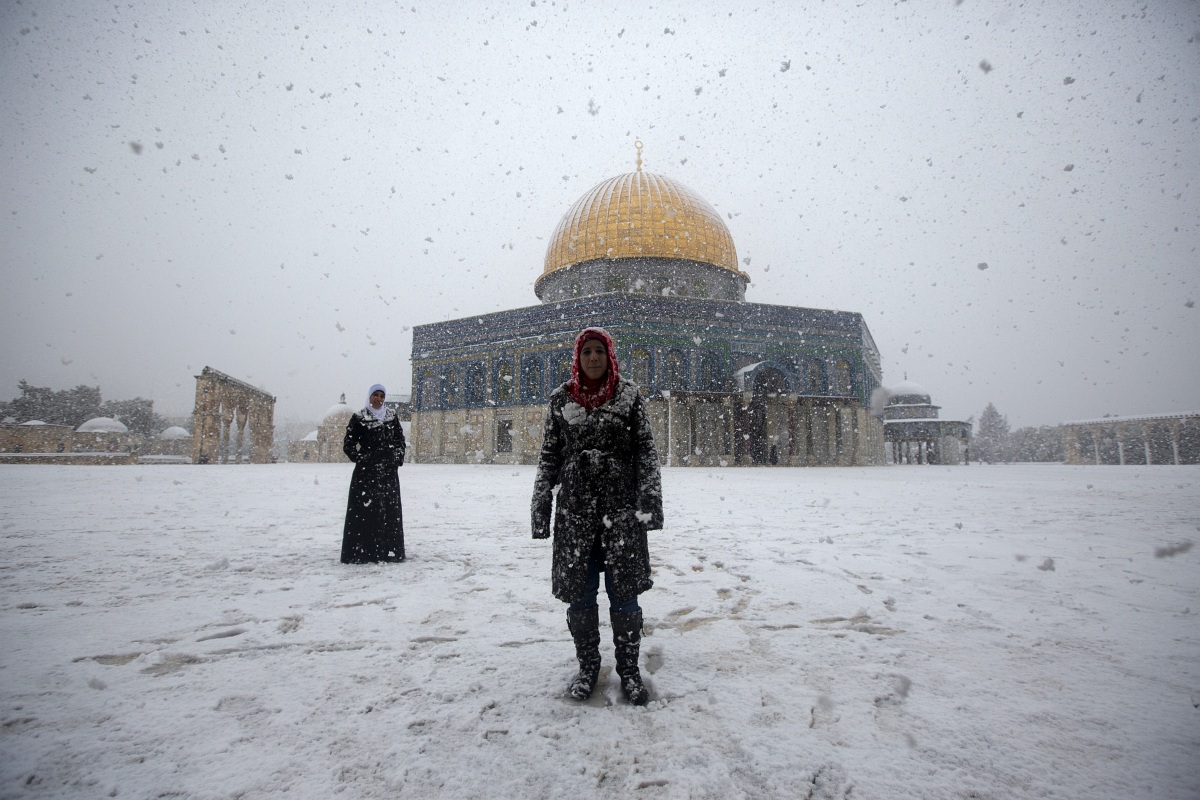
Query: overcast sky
x=282, y=190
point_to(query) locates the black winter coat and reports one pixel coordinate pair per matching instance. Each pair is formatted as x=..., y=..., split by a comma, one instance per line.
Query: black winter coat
x=607, y=466
x=374, y=529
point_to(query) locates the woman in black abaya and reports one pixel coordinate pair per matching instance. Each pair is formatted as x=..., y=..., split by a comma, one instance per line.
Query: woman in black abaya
x=374, y=441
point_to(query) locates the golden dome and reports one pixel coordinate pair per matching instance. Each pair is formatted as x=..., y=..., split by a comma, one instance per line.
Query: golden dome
x=640, y=214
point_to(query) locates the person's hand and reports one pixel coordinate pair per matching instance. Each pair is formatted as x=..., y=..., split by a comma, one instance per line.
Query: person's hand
x=650, y=521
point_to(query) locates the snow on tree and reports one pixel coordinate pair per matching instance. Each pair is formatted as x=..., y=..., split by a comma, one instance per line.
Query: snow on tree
x=992, y=441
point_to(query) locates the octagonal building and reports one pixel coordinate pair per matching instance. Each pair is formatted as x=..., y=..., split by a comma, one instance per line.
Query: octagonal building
x=727, y=382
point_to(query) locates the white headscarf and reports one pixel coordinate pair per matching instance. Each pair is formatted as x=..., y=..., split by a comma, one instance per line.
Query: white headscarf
x=381, y=412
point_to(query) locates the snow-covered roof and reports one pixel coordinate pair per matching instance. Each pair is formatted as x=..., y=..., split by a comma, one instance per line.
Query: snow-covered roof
x=311, y=437
x=907, y=388
x=1135, y=418
x=340, y=410
x=102, y=425
x=175, y=432
x=33, y=422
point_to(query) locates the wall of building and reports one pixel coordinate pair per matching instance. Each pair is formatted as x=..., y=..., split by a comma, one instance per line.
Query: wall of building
x=1173, y=439
x=36, y=438
x=657, y=277
x=688, y=431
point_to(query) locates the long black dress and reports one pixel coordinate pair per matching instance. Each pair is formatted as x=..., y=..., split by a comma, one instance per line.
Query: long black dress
x=374, y=528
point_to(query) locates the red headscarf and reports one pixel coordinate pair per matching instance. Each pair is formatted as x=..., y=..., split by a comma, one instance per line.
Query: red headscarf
x=582, y=389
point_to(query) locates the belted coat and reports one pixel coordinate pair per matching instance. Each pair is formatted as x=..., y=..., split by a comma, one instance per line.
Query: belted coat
x=606, y=466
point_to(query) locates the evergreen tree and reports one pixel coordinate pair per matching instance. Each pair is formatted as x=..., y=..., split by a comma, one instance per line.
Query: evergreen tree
x=63, y=407
x=992, y=441
x=76, y=406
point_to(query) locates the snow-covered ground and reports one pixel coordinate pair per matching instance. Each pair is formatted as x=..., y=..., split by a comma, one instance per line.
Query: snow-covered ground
x=890, y=632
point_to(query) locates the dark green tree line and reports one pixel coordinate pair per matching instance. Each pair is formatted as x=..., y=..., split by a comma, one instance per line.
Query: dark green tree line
x=76, y=406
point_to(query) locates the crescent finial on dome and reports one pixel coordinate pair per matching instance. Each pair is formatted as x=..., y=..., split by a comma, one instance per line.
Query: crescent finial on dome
x=638, y=144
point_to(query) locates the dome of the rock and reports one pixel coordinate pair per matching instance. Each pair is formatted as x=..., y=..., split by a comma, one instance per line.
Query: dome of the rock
x=640, y=214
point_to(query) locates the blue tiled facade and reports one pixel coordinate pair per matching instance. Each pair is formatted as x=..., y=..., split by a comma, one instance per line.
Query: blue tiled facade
x=518, y=357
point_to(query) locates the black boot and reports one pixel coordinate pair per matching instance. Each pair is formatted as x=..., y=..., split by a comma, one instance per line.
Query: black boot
x=585, y=630
x=627, y=639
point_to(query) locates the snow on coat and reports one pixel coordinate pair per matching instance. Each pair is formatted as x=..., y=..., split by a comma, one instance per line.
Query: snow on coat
x=374, y=529
x=606, y=464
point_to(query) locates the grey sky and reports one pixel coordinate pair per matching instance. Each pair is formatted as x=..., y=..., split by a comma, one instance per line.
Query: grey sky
x=1008, y=195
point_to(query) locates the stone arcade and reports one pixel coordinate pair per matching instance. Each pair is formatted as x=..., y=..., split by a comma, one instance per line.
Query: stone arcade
x=223, y=403
x=1140, y=439
x=727, y=382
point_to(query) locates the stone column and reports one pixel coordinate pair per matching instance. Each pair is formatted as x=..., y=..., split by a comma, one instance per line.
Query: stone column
x=729, y=458
x=795, y=447
x=206, y=422
x=226, y=426
x=264, y=432
x=240, y=413
x=831, y=423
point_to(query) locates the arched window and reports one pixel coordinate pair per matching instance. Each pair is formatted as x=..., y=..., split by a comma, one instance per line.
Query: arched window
x=673, y=370
x=531, y=378
x=841, y=377
x=639, y=368
x=476, y=380
x=563, y=374
x=813, y=383
x=710, y=373
x=427, y=392
x=450, y=388
x=504, y=383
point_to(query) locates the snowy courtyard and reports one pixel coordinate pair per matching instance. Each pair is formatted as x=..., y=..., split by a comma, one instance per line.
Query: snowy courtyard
x=893, y=632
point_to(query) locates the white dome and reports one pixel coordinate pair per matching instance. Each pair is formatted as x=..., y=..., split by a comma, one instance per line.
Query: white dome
x=102, y=425
x=175, y=432
x=340, y=412
x=33, y=422
x=907, y=388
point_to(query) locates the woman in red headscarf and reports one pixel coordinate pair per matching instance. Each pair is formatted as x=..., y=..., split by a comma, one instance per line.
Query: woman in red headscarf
x=597, y=446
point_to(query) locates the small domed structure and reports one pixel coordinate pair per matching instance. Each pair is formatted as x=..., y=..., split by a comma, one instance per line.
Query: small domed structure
x=908, y=393
x=174, y=432
x=339, y=411
x=915, y=434
x=105, y=434
x=331, y=432
x=102, y=425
